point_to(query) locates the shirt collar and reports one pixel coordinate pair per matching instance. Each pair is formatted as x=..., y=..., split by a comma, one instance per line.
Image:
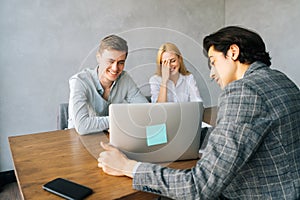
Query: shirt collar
x=97, y=82
x=180, y=79
x=254, y=66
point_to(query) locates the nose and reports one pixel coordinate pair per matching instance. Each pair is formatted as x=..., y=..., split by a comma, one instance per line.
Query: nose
x=212, y=73
x=114, y=66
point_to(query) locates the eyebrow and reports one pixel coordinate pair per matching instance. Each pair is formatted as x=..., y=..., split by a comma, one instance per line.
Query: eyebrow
x=113, y=60
x=121, y=61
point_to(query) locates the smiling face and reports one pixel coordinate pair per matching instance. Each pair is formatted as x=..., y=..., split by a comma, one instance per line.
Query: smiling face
x=224, y=69
x=174, y=62
x=111, y=64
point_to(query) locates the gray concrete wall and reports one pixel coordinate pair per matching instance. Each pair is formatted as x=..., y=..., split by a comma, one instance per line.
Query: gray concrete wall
x=278, y=23
x=43, y=43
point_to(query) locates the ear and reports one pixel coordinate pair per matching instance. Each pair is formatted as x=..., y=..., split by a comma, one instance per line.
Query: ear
x=234, y=52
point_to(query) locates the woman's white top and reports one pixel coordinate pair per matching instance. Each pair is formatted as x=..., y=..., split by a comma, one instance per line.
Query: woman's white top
x=185, y=89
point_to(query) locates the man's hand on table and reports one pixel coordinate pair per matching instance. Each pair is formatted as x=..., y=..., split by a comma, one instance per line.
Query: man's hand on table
x=114, y=162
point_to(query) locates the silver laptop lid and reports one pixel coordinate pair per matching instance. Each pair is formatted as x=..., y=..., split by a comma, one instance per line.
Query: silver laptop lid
x=156, y=132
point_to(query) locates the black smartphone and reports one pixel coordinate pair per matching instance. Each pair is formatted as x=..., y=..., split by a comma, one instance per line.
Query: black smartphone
x=67, y=189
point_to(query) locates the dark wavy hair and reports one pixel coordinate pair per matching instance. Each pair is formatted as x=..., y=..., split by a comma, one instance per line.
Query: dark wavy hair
x=252, y=47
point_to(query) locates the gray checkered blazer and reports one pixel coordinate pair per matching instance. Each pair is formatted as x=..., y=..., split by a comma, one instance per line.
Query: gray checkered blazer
x=252, y=153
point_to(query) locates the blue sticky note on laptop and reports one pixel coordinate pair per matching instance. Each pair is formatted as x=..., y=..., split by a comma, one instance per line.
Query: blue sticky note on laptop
x=156, y=134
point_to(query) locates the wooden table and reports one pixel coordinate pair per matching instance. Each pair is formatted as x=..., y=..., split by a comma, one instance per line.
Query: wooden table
x=210, y=115
x=39, y=158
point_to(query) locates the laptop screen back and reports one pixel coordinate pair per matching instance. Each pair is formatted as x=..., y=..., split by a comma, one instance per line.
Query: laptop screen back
x=156, y=132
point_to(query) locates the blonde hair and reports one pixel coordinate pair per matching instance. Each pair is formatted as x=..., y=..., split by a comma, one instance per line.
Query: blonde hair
x=170, y=47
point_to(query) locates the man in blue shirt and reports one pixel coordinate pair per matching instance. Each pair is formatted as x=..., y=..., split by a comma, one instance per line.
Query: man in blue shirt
x=253, y=152
x=93, y=90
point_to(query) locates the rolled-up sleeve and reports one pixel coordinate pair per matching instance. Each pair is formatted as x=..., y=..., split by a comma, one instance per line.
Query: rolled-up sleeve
x=79, y=117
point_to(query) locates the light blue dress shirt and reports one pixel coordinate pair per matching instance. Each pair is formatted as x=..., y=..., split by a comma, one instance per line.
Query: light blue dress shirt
x=88, y=110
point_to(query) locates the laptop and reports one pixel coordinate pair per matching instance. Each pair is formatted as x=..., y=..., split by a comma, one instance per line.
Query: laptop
x=156, y=132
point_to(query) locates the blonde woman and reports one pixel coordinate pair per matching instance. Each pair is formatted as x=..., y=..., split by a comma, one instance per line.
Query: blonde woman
x=172, y=82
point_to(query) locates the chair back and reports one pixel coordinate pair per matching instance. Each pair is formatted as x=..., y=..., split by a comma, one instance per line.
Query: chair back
x=62, y=117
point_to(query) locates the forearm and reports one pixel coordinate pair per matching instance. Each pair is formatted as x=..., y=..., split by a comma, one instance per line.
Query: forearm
x=204, y=181
x=173, y=183
x=162, y=96
x=81, y=113
x=87, y=125
x=130, y=168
